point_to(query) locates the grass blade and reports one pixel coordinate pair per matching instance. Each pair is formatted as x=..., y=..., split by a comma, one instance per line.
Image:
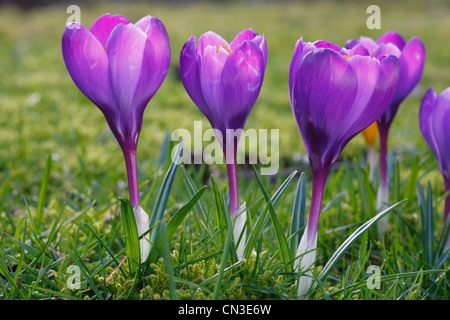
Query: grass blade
x=298, y=215
x=133, y=248
x=426, y=214
x=283, y=247
x=175, y=222
x=163, y=195
x=43, y=192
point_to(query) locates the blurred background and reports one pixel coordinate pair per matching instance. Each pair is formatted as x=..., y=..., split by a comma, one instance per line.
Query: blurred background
x=44, y=114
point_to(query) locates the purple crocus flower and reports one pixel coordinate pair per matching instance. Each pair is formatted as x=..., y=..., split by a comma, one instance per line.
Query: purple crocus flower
x=411, y=56
x=119, y=66
x=434, y=120
x=224, y=80
x=335, y=93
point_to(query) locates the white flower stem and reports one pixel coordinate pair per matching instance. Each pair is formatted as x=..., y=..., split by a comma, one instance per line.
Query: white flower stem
x=372, y=161
x=382, y=203
x=306, y=252
x=240, y=219
x=142, y=223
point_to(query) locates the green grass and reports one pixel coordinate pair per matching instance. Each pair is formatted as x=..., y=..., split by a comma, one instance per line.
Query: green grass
x=61, y=172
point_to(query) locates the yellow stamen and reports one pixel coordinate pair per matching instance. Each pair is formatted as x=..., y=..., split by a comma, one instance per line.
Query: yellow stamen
x=105, y=48
x=223, y=46
x=346, y=57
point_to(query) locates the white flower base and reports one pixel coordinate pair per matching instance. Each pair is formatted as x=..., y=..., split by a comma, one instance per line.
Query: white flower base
x=382, y=203
x=142, y=223
x=240, y=218
x=306, y=252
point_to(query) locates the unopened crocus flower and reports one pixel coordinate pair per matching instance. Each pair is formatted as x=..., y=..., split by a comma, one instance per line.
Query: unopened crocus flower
x=370, y=136
x=224, y=80
x=335, y=93
x=434, y=120
x=119, y=66
x=411, y=56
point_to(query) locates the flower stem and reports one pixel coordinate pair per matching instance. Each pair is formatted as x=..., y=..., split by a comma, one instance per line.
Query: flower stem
x=383, y=188
x=131, y=165
x=319, y=178
x=233, y=188
x=384, y=133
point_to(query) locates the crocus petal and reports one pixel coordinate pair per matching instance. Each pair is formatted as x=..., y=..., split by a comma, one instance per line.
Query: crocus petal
x=247, y=34
x=326, y=44
x=104, y=25
x=261, y=42
x=241, y=80
x=425, y=124
x=367, y=70
x=210, y=39
x=157, y=35
x=324, y=88
x=189, y=72
x=369, y=44
x=446, y=92
x=211, y=67
x=155, y=61
x=387, y=49
x=412, y=61
x=392, y=37
x=351, y=43
x=87, y=63
x=439, y=120
x=126, y=49
x=382, y=93
x=299, y=52
x=357, y=49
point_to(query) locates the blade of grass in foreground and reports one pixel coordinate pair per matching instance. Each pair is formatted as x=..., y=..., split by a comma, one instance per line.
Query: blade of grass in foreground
x=168, y=260
x=283, y=247
x=223, y=263
x=175, y=222
x=427, y=216
x=164, y=192
x=133, y=249
x=262, y=219
x=298, y=215
x=349, y=241
x=43, y=192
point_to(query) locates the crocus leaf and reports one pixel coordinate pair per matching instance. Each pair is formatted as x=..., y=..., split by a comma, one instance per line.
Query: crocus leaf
x=283, y=246
x=175, y=222
x=43, y=192
x=131, y=234
x=163, y=196
x=262, y=219
x=298, y=219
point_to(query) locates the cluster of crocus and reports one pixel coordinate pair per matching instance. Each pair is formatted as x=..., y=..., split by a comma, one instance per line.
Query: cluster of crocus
x=434, y=120
x=335, y=93
x=411, y=56
x=224, y=80
x=119, y=66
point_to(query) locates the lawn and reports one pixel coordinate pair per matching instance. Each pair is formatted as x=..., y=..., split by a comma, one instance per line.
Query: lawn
x=62, y=173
